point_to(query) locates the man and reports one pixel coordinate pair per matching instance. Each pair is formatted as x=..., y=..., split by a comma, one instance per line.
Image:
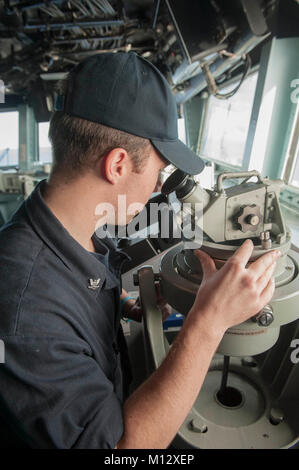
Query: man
x=60, y=283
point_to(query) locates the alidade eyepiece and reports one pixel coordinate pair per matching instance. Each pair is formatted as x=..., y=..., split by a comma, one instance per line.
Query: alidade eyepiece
x=180, y=182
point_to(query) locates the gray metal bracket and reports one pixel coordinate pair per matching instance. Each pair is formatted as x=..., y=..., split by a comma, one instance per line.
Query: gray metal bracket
x=152, y=316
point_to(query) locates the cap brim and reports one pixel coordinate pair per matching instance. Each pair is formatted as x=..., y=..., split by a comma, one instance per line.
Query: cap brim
x=177, y=153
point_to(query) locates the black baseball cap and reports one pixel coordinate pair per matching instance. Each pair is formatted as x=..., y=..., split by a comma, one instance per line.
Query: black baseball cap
x=124, y=91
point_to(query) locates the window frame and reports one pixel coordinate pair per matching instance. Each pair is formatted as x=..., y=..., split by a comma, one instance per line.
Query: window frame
x=292, y=154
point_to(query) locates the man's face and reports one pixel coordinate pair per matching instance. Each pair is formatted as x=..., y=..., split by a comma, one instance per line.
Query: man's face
x=144, y=183
x=128, y=191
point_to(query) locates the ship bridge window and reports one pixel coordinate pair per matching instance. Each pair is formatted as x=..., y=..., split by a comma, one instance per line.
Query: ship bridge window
x=9, y=138
x=45, y=151
x=227, y=123
x=182, y=130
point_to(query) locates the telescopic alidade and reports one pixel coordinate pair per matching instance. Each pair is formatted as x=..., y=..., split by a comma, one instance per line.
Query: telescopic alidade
x=250, y=396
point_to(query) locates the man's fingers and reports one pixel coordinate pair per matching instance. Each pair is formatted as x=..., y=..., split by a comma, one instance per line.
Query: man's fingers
x=259, y=266
x=160, y=300
x=242, y=255
x=207, y=263
x=264, y=279
x=268, y=292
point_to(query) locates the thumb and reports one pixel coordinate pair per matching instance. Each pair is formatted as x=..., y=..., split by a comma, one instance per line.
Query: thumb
x=207, y=263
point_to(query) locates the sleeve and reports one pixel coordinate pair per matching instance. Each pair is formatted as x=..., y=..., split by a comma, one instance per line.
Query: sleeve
x=59, y=393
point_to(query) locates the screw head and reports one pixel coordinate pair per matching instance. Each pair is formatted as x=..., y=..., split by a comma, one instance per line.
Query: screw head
x=198, y=425
x=265, y=319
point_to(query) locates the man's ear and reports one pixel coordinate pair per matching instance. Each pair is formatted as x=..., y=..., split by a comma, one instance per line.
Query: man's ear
x=116, y=164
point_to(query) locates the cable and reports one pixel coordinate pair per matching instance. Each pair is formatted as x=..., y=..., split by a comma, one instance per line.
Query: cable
x=212, y=86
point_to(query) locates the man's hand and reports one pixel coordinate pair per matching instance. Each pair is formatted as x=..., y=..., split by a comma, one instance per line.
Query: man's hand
x=132, y=308
x=235, y=293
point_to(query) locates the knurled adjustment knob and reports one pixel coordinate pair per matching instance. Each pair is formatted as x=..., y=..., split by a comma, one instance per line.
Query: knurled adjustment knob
x=249, y=218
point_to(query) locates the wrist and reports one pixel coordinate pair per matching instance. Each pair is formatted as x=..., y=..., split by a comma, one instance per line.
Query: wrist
x=126, y=303
x=204, y=321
